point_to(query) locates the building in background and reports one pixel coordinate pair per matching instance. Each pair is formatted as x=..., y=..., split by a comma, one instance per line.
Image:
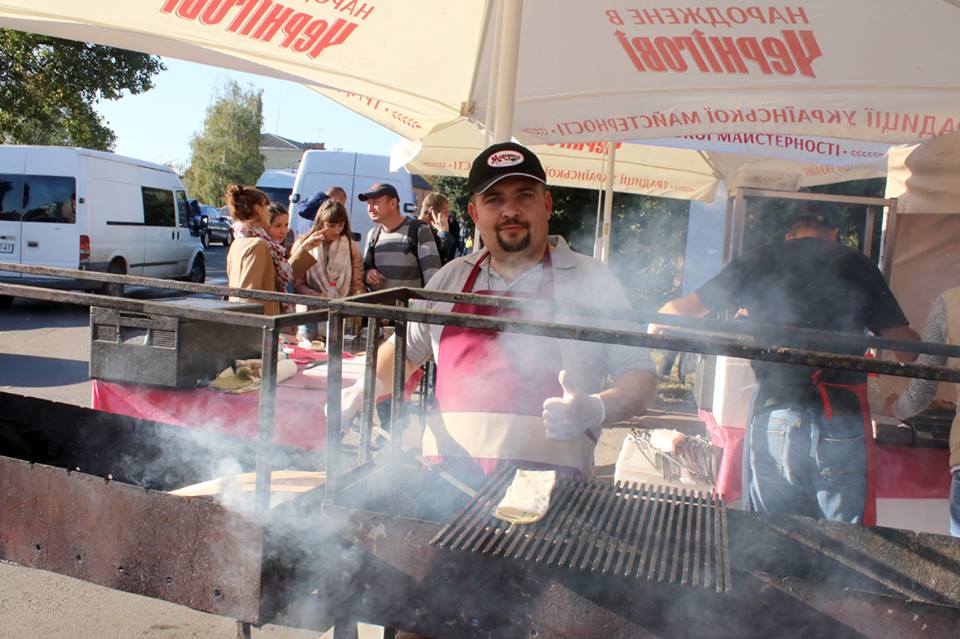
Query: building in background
x=283, y=153
x=420, y=189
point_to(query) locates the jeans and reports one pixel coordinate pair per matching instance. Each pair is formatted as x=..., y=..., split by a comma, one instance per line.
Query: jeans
x=955, y=505
x=801, y=463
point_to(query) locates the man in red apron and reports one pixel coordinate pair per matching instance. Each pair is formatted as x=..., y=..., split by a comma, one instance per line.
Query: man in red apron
x=808, y=440
x=535, y=401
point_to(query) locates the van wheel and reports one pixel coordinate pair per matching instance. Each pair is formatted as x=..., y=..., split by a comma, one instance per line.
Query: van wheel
x=5, y=301
x=114, y=289
x=198, y=272
x=205, y=239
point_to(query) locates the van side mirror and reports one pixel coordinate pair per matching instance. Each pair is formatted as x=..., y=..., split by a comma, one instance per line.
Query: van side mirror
x=409, y=208
x=294, y=198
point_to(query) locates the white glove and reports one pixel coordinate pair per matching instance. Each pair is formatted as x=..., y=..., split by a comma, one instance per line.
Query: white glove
x=351, y=402
x=566, y=418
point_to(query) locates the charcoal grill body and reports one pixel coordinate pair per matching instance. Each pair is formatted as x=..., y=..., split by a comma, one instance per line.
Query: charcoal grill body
x=60, y=512
x=793, y=577
x=362, y=552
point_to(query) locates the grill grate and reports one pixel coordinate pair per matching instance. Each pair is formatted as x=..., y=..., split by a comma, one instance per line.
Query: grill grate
x=162, y=338
x=636, y=531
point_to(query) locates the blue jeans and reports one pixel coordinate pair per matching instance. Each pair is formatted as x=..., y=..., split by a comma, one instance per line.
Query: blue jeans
x=801, y=463
x=955, y=505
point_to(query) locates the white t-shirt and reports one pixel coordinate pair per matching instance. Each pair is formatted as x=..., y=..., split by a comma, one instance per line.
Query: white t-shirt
x=578, y=280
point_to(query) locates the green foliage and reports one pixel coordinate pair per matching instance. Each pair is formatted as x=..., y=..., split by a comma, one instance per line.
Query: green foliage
x=48, y=88
x=455, y=190
x=647, y=240
x=768, y=219
x=228, y=149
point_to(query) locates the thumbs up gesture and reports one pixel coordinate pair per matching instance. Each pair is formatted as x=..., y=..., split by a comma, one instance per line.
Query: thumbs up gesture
x=566, y=418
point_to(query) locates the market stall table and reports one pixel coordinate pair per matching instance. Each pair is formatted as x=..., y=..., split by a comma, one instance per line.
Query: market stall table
x=911, y=481
x=299, y=418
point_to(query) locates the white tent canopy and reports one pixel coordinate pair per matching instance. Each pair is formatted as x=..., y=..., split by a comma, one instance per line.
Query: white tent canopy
x=663, y=172
x=924, y=176
x=678, y=168
x=585, y=71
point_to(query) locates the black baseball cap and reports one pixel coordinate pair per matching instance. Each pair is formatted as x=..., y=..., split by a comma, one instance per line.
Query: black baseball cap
x=507, y=159
x=823, y=220
x=379, y=190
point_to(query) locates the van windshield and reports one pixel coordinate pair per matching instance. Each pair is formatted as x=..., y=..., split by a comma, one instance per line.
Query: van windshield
x=277, y=194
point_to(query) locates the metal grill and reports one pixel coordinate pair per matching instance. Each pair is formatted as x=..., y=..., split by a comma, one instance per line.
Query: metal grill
x=635, y=531
x=163, y=339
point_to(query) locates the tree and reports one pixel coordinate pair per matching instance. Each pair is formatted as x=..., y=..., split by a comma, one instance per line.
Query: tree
x=228, y=150
x=49, y=86
x=768, y=219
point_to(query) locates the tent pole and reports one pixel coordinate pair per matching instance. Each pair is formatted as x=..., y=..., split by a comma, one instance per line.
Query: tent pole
x=492, y=75
x=509, y=53
x=727, y=228
x=598, y=226
x=492, y=88
x=608, y=202
x=867, y=243
x=739, y=222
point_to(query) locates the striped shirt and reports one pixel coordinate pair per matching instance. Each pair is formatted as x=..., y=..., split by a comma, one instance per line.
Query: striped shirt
x=920, y=392
x=396, y=261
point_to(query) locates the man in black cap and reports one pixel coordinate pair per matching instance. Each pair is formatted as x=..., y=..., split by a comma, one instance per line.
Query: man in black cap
x=510, y=397
x=805, y=443
x=400, y=250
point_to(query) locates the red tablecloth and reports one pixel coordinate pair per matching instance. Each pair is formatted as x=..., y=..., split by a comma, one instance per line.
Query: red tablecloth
x=905, y=472
x=299, y=419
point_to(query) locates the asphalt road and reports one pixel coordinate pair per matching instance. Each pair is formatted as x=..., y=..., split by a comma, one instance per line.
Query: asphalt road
x=45, y=346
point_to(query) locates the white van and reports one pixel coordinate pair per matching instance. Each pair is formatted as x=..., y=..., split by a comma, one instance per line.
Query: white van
x=354, y=173
x=277, y=184
x=82, y=209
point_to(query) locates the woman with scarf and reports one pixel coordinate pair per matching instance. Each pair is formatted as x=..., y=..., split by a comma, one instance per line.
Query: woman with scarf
x=255, y=261
x=338, y=271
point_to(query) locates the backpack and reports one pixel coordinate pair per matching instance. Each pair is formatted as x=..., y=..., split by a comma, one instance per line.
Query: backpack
x=411, y=245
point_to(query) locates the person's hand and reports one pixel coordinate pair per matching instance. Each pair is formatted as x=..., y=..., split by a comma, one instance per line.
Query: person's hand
x=374, y=277
x=312, y=240
x=441, y=221
x=566, y=418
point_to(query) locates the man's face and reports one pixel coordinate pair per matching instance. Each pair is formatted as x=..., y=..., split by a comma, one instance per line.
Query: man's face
x=382, y=208
x=512, y=215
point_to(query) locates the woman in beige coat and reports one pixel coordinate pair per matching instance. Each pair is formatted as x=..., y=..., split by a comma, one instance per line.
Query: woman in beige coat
x=255, y=261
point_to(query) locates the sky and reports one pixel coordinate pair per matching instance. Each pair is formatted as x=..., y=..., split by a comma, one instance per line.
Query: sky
x=157, y=125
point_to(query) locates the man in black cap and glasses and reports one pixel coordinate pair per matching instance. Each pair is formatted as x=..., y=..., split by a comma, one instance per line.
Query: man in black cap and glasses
x=805, y=451
x=400, y=250
x=524, y=399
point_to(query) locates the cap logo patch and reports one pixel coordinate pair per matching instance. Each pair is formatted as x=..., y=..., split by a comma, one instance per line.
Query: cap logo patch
x=502, y=159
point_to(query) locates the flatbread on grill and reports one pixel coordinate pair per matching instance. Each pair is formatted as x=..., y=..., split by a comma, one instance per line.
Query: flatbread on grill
x=528, y=496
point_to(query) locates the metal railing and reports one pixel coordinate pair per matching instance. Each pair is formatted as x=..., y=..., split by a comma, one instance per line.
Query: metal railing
x=736, y=339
